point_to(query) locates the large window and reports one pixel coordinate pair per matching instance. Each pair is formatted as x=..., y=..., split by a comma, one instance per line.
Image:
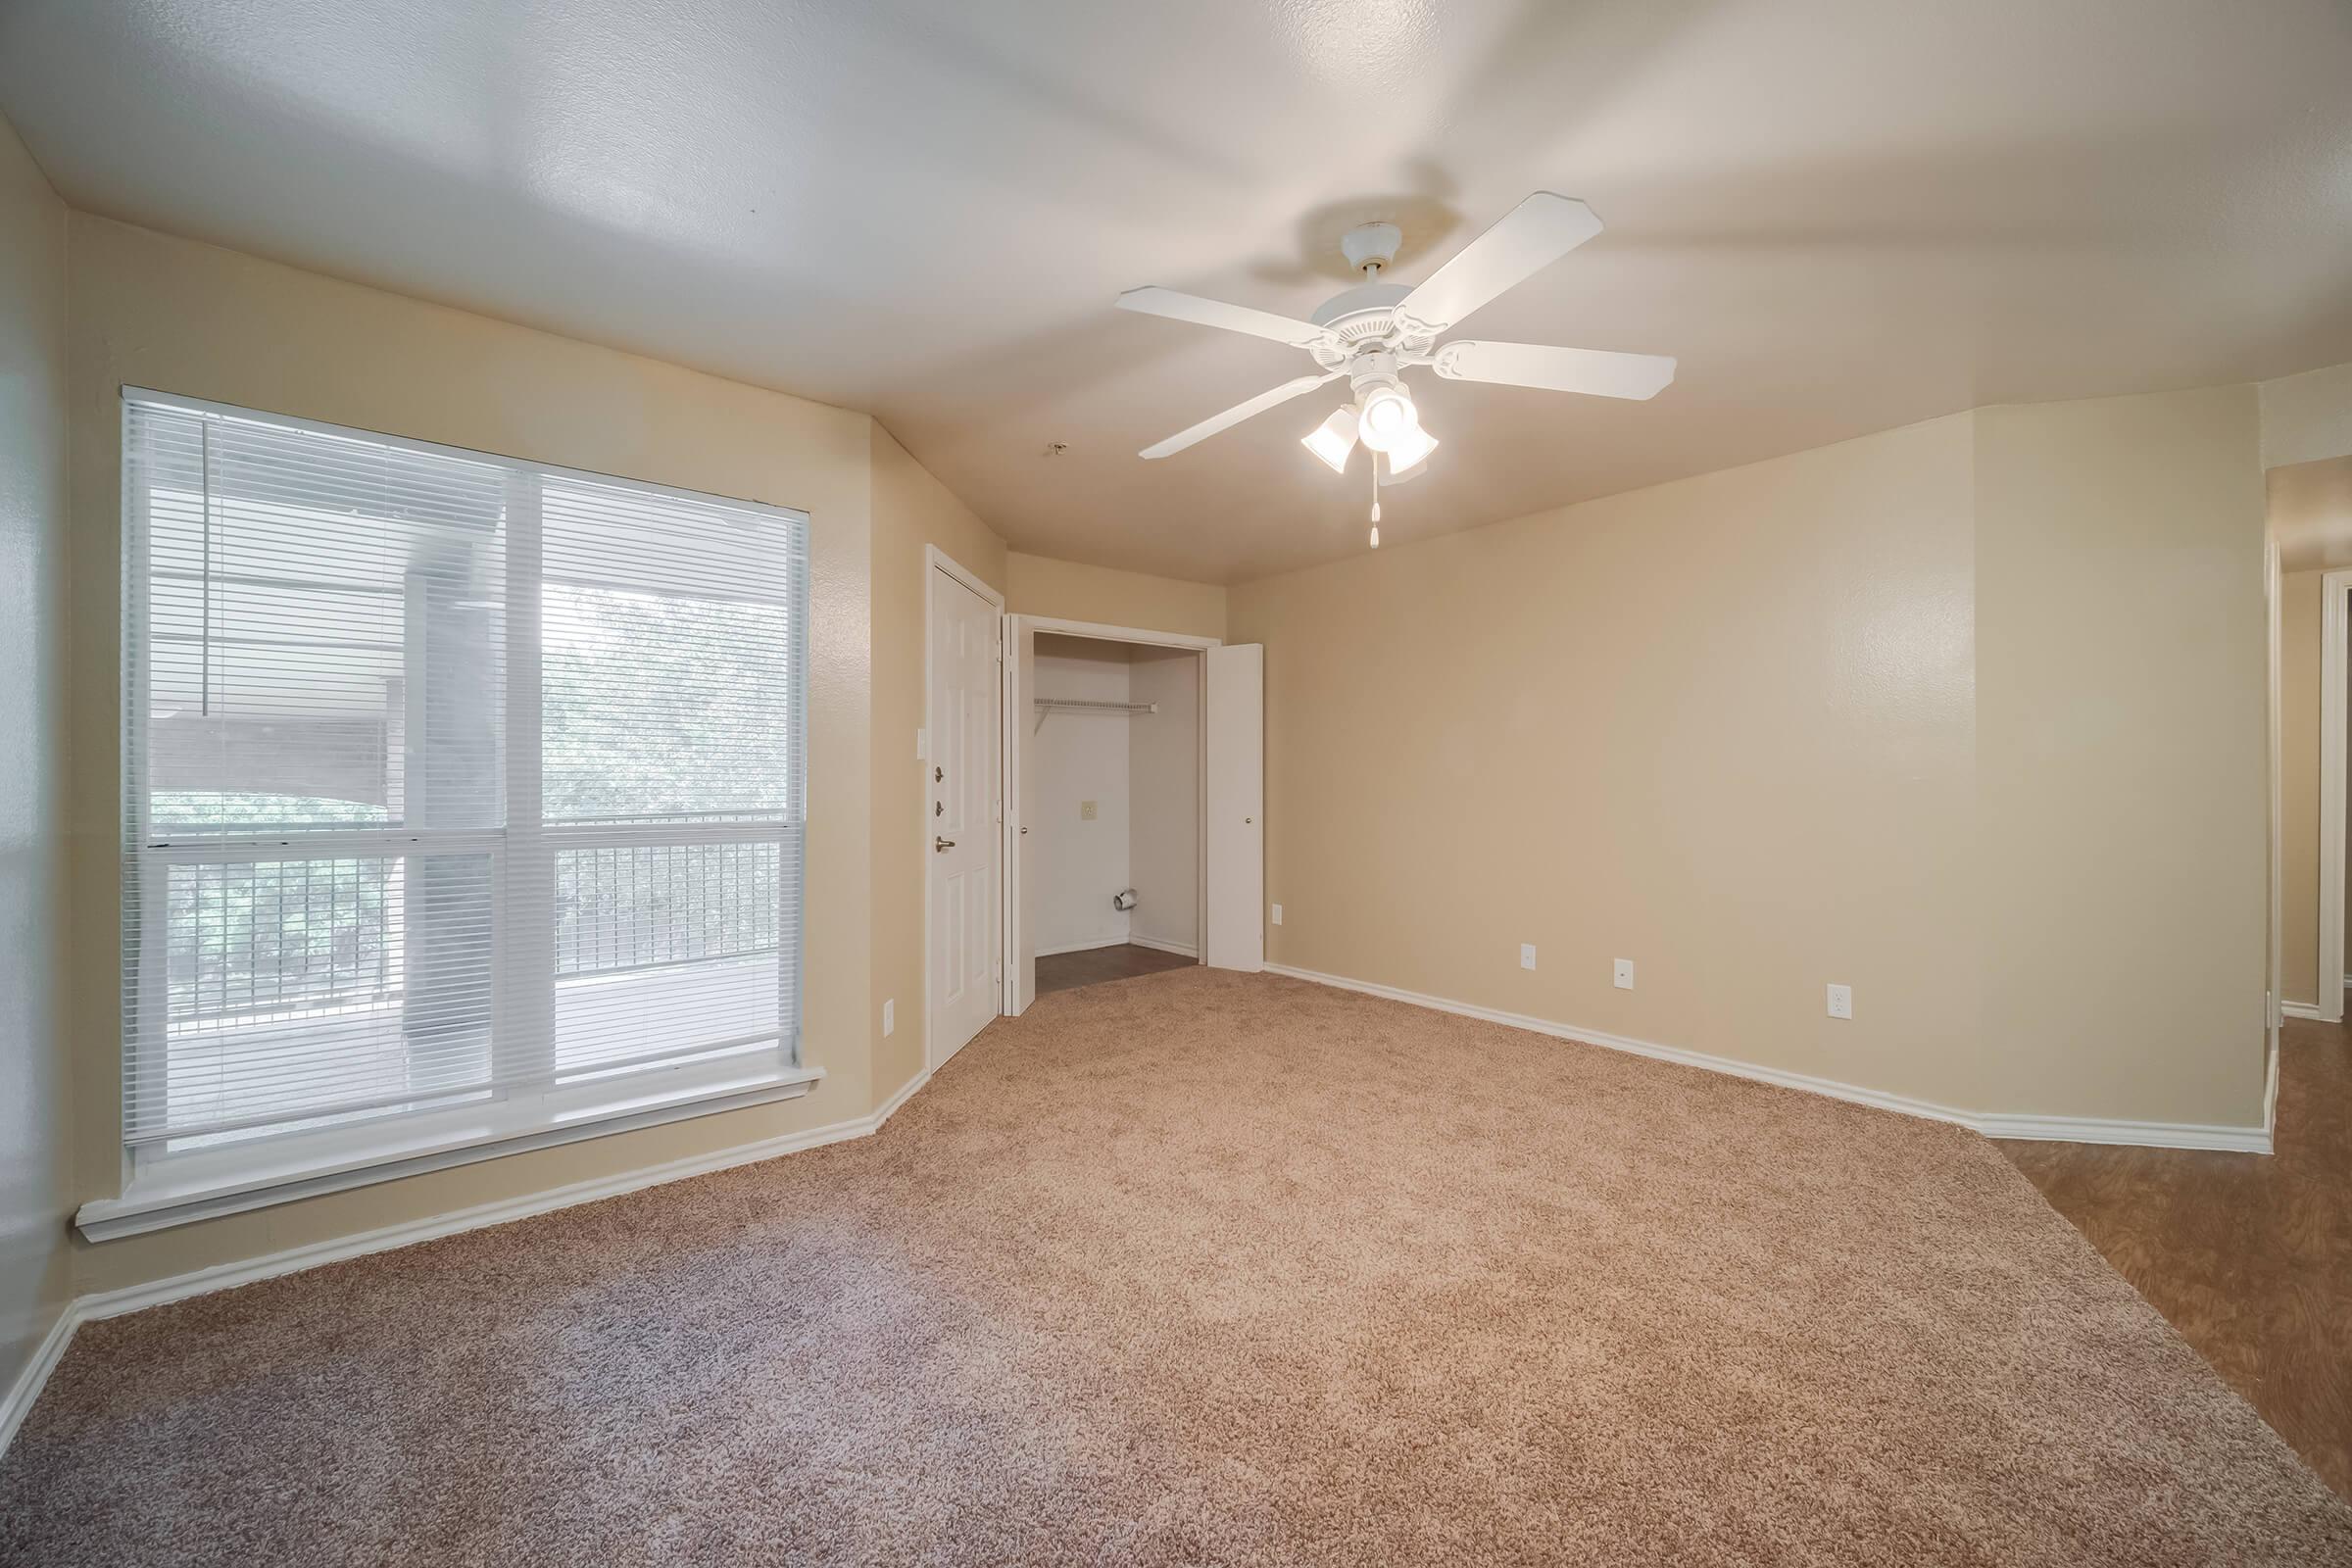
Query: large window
x=456, y=788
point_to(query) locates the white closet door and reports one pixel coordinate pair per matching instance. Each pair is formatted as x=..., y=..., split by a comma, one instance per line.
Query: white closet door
x=1020, y=793
x=1235, y=933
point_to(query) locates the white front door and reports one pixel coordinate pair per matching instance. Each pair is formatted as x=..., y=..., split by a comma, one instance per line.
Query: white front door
x=962, y=741
x=1234, y=932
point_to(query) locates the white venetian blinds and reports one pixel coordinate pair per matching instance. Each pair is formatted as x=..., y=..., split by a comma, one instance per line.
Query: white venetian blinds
x=451, y=780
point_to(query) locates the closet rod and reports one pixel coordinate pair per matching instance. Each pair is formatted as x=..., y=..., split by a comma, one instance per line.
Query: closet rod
x=1073, y=704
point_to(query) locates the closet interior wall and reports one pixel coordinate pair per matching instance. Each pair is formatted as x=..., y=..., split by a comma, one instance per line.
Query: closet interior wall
x=1077, y=813
x=1112, y=799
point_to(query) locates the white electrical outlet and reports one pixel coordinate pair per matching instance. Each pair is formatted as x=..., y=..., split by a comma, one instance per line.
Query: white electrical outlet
x=890, y=1017
x=1623, y=976
x=1278, y=914
x=1841, y=1002
x=1527, y=954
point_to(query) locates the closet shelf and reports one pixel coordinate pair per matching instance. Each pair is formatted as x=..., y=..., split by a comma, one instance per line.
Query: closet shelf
x=1073, y=704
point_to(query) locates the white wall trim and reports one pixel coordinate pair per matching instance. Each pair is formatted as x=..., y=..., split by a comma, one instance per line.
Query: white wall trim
x=1182, y=948
x=2304, y=1009
x=142, y=1208
x=2275, y=958
x=2135, y=1134
x=246, y=1271
x=1119, y=634
x=2270, y=1089
x=906, y=1091
x=2068, y=1129
x=1088, y=946
x=2334, y=589
x=35, y=1375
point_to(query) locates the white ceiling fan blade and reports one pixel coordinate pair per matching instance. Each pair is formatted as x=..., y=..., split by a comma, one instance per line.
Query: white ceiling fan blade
x=1167, y=302
x=1591, y=371
x=1525, y=240
x=1237, y=414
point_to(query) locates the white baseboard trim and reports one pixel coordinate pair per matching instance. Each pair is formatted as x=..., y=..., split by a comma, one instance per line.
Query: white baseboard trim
x=2304, y=1009
x=2269, y=1085
x=1088, y=946
x=246, y=1271
x=35, y=1375
x=1182, y=948
x=890, y=1106
x=2135, y=1134
x=2067, y=1129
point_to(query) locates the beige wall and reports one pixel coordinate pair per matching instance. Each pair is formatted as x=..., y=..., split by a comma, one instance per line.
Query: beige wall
x=156, y=312
x=1967, y=715
x=34, y=1179
x=912, y=510
x=1069, y=591
x=1721, y=727
x=2123, y=756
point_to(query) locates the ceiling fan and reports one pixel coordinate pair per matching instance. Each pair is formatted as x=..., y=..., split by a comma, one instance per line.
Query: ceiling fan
x=1376, y=331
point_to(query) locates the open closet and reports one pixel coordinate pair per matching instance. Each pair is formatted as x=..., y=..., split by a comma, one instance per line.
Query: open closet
x=1134, y=805
x=1110, y=809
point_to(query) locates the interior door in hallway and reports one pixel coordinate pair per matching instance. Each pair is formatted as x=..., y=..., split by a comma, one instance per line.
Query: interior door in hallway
x=963, y=740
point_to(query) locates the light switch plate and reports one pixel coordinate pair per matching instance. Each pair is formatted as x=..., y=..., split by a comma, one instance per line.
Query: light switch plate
x=1278, y=914
x=1623, y=975
x=1527, y=954
x=890, y=1019
x=1841, y=1002
x=1085, y=811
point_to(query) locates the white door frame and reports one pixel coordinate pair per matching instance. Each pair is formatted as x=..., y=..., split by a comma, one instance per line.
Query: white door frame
x=2334, y=586
x=1008, y=923
x=935, y=561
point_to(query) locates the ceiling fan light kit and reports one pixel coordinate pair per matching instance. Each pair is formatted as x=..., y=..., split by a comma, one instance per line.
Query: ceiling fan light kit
x=1373, y=334
x=1388, y=414
x=1334, y=440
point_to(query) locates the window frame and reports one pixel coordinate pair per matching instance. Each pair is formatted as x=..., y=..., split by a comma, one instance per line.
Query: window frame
x=526, y=1104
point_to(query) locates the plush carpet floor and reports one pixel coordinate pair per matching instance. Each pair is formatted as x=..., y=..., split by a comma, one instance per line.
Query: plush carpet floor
x=1207, y=1269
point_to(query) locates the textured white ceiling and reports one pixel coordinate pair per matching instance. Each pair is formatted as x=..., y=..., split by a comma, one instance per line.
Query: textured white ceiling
x=1842, y=216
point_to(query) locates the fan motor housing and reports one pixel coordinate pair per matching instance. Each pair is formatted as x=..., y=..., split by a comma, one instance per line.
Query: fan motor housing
x=1363, y=320
x=1341, y=310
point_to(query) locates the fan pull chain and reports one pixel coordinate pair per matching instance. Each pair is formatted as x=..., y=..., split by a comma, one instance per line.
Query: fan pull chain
x=1375, y=500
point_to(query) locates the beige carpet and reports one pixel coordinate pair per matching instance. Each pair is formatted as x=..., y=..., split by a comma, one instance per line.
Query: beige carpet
x=1206, y=1268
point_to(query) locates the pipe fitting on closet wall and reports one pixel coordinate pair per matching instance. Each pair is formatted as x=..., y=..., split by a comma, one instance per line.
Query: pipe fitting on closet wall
x=1123, y=900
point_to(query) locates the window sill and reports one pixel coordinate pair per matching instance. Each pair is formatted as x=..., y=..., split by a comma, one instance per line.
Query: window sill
x=186, y=1191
